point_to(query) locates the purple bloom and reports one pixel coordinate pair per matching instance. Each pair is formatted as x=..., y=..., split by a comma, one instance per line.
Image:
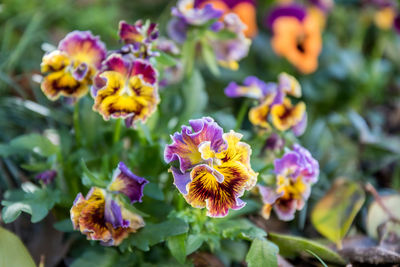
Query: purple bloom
x=295, y=173
x=252, y=88
x=214, y=167
x=47, y=176
x=274, y=142
x=229, y=52
x=292, y=10
x=192, y=15
x=100, y=217
x=126, y=182
x=298, y=163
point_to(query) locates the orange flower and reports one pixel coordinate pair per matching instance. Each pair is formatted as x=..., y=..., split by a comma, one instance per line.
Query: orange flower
x=245, y=10
x=298, y=40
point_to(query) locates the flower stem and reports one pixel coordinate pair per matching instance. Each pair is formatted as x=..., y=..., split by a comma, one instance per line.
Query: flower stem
x=242, y=114
x=117, y=131
x=116, y=137
x=76, y=124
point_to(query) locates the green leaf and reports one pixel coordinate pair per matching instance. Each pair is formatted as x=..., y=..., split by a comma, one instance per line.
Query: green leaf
x=240, y=228
x=13, y=253
x=262, y=253
x=35, y=201
x=377, y=216
x=153, y=190
x=292, y=246
x=209, y=57
x=165, y=59
x=101, y=257
x=89, y=179
x=334, y=213
x=153, y=234
x=195, y=96
x=64, y=226
x=35, y=143
x=194, y=242
x=177, y=246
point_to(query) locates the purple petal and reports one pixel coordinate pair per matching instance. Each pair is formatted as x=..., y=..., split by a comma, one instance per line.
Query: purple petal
x=288, y=163
x=47, y=176
x=80, y=72
x=285, y=209
x=113, y=215
x=145, y=70
x=396, y=23
x=292, y=10
x=269, y=195
x=300, y=127
x=309, y=166
x=126, y=182
x=84, y=43
x=230, y=3
x=177, y=30
x=180, y=180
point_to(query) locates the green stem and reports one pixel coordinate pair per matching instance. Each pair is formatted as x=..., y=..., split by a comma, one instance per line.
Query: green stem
x=76, y=124
x=117, y=131
x=242, y=114
x=116, y=137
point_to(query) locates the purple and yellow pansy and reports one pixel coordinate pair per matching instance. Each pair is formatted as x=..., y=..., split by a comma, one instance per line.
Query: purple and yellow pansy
x=138, y=38
x=273, y=102
x=126, y=88
x=229, y=52
x=102, y=216
x=186, y=14
x=213, y=167
x=69, y=69
x=295, y=173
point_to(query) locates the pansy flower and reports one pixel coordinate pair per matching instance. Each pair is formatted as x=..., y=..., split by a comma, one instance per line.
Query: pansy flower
x=296, y=35
x=273, y=102
x=138, y=38
x=245, y=9
x=102, y=215
x=126, y=88
x=229, y=52
x=69, y=69
x=186, y=14
x=295, y=173
x=213, y=167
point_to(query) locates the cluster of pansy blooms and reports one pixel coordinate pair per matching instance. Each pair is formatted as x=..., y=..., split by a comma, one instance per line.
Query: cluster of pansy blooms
x=212, y=168
x=190, y=15
x=295, y=173
x=273, y=103
x=296, y=32
x=124, y=84
x=102, y=215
